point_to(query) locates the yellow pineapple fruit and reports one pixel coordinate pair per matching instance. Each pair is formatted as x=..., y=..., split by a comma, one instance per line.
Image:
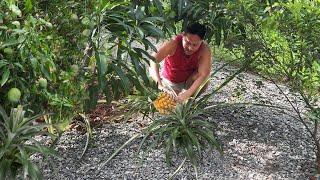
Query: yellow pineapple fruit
x=165, y=103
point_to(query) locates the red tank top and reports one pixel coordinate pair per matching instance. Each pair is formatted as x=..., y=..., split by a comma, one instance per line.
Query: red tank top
x=178, y=67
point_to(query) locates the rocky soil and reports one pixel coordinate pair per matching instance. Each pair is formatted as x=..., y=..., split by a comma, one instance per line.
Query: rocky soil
x=259, y=142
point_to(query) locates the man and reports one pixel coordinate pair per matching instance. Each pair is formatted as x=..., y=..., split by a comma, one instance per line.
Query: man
x=187, y=62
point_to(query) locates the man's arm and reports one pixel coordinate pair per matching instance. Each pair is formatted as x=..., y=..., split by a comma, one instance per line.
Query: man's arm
x=165, y=50
x=203, y=72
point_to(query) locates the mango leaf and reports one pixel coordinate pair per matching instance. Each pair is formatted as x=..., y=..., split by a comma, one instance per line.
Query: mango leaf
x=138, y=13
x=18, y=31
x=3, y=28
x=119, y=23
x=28, y=5
x=34, y=63
x=148, y=44
x=108, y=93
x=19, y=65
x=140, y=33
x=5, y=77
x=93, y=97
x=218, y=36
x=153, y=19
x=139, y=69
x=11, y=42
x=134, y=78
x=3, y=63
x=159, y=6
x=15, y=9
x=102, y=68
x=124, y=79
x=153, y=30
x=115, y=89
x=103, y=5
x=180, y=7
x=137, y=84
x=45, y=72
x=196, y=13
x=147, y=54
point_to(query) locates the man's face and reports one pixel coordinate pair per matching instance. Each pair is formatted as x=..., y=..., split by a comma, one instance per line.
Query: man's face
x=191, y=43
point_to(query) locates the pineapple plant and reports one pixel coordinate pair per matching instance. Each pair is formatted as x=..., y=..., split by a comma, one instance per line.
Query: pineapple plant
x=185, y=128
x=150, y=100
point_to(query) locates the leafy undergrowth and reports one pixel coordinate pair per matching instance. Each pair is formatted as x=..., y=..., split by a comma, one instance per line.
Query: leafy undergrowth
x=102, y=114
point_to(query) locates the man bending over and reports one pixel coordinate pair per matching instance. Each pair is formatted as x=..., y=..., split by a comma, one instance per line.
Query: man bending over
x=187, y=62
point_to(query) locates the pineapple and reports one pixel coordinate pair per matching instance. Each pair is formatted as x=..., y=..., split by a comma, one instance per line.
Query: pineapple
x=165, y=103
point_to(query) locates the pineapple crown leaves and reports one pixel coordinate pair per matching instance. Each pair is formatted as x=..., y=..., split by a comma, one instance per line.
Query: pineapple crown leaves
x=15, y=131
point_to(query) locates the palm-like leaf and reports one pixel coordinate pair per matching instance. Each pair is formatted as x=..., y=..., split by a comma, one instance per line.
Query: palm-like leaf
x=185, y=128
x=141, y=100
x=15, y=152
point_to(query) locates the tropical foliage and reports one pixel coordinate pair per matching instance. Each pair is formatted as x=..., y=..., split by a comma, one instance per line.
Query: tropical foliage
x=17, y=144
x=63, y=56
x=186, y=130
x=282, y=35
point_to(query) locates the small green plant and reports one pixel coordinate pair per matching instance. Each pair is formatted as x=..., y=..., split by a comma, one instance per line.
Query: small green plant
x=17, y=144
x=186, y=130
x=183, y=130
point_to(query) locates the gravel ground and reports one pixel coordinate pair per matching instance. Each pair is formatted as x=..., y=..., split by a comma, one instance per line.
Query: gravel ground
x=258, y=142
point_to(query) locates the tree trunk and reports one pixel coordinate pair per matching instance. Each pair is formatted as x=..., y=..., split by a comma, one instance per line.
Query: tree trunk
x=318, y=160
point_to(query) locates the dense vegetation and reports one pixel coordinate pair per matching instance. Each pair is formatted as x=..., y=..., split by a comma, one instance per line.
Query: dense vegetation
x=57, y=58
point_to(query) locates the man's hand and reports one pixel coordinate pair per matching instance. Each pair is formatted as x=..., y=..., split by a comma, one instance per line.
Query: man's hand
x=183, y=96
x=160, y=86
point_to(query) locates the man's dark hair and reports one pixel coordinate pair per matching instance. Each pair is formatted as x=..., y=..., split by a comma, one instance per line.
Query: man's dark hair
x=196, y=28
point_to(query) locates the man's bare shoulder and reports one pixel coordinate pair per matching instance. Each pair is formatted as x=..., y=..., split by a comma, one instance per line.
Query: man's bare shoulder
x=169, y=46
x=169, y=43
x=165, y=49
x=205, y=49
